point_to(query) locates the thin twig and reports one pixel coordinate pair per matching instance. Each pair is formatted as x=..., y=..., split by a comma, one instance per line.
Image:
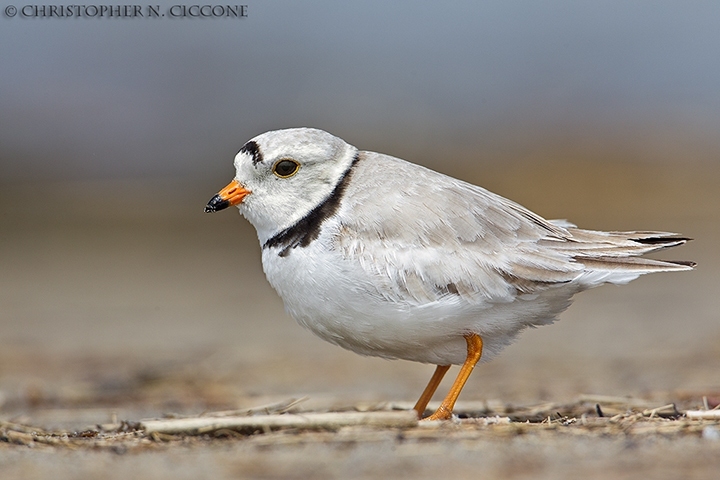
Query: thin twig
x=201, y=425
x=703, y=414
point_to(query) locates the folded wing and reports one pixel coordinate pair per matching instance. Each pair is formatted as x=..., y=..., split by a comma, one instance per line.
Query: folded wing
x=440, y=238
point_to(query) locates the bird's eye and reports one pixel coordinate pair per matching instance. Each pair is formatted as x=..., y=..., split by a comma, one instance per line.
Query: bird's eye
x=286, y=168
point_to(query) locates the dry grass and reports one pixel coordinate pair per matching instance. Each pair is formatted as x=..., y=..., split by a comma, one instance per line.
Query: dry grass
x=289, y=423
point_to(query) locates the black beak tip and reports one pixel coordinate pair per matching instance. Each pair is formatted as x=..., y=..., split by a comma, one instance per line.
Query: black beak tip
x=216, y=204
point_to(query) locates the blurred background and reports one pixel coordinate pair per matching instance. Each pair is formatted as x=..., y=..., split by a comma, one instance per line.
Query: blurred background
x=114, y=133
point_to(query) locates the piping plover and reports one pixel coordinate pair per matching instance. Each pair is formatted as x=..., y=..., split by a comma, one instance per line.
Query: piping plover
x=387, y=258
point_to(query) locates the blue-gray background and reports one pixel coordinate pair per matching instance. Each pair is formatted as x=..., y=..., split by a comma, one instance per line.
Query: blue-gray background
x=487, y=81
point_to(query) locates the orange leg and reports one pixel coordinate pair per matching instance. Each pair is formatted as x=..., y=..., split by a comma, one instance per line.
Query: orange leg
x=432, y=385
x=474, y=352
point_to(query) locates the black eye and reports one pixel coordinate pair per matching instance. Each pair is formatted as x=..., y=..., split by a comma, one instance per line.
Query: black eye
x=286, y=168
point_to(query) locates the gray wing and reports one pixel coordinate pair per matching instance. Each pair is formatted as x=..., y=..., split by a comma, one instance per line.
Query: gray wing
x=423, y=236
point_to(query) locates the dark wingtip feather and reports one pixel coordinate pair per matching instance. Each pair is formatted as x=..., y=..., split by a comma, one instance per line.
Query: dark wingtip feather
x=662, y=240
x=686, y=263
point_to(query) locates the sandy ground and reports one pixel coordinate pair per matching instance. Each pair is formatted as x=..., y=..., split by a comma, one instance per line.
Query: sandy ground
x=121, y=301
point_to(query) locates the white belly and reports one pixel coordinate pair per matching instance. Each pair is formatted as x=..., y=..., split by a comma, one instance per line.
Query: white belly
x=341, y=304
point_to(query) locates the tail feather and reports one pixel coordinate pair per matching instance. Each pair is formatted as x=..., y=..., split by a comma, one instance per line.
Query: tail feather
x=615, y=257
x=635, y=264
x=592, y=243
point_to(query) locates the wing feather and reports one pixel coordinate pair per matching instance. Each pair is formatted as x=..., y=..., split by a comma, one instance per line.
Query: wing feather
x=440, y=237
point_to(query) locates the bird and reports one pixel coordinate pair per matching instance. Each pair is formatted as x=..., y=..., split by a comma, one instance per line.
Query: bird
x=388, y=258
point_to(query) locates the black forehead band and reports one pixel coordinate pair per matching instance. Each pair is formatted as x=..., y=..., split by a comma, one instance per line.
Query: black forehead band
x=252, y=148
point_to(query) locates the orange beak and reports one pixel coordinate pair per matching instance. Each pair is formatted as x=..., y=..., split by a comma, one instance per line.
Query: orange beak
x=233, y=194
